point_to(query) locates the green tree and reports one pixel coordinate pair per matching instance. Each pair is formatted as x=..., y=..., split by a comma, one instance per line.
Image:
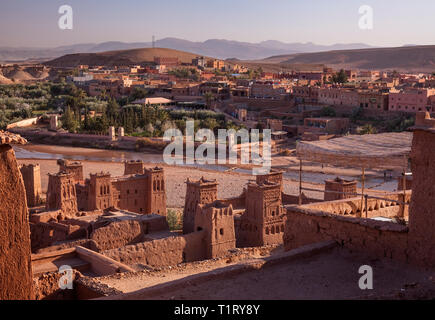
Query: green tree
x=340, y=77
x=69, y=121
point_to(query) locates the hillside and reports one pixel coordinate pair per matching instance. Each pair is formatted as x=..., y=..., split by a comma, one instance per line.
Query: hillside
x=415, y=59
x=219, y=48
x=122, y=57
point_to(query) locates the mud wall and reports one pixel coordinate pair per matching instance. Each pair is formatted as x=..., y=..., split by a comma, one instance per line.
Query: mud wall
x=376, y=207
x=375, y=238
x=162, y=252
x=119, y=234
x=422, y=215
x=15, y=255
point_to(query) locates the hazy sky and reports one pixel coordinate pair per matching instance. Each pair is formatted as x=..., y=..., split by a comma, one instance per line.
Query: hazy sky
x=396, y=22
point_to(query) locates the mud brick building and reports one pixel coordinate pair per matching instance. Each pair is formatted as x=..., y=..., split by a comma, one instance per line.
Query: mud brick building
x=32, y=182
x=339, y=189
x=198, y=192
x=61, y=193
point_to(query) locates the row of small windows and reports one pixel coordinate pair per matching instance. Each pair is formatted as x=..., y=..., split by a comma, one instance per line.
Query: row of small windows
x=159, y=185
x=275, y=229
x=104, y=190
x=406, y=108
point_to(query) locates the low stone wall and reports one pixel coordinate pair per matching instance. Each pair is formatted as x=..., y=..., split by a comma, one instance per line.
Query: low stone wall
x=23, y=123
x=375, y=238
x=163, y=252
x=376, y=207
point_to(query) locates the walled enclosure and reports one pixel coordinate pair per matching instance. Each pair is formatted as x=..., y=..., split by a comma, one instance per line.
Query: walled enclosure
x=15, y=257
x=414, y=244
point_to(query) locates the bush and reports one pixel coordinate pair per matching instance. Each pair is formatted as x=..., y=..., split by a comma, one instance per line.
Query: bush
x=174, y=221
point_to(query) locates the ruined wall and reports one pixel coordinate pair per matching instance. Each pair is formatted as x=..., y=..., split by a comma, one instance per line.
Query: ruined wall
x=119, y=234
x=15, y=258
x=133, y=167
x=45, y=234
x=46, y=287
x=163, y=252
x=375, y=238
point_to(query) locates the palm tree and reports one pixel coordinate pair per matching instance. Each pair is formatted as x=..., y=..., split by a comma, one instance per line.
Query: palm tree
x=208, y=96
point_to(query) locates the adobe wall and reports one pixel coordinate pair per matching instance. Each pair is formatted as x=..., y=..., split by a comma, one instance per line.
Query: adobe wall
x=119, y=234
x=15, y=254
x=263, y=221
x=163, y=252
x=422, y=217
x=74, y=167
x=133, y=167
x=376, y=238
x=237, y=202
x=32, y=183
x=156, y=191
x=217, y=219
x=45, y=234
x=201, y=191
x=46, y=287
x=376, y=207
x=61, y=194
x=291, y=199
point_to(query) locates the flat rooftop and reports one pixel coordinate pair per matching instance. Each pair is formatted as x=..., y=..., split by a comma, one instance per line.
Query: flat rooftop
x=320, y=274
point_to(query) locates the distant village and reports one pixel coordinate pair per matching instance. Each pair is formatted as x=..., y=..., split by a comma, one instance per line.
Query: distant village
x=316, y=104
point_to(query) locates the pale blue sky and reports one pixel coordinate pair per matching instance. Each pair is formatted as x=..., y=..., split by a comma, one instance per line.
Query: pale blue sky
x=396, y=22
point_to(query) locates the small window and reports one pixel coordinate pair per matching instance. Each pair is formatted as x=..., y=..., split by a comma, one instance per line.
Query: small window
x=221, y=231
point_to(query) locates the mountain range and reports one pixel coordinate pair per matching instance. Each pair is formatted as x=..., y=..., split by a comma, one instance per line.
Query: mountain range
x=218, y=48
x=410, y=58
